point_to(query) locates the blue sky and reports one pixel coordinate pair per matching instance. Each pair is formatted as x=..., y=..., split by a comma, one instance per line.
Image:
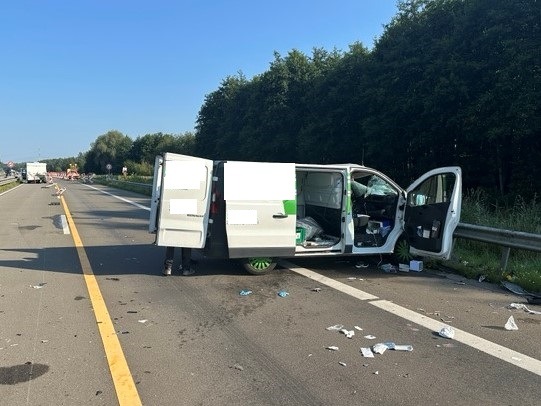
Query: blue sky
x=72, y=70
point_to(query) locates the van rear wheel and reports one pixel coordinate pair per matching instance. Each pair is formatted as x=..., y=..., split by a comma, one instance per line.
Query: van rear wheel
x=259, y=265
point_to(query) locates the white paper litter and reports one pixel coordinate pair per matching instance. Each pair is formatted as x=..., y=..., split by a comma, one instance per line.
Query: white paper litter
x=332, y=348
x=403, y=347
x=447, y=332
x=347, y=333
x=370, y=337
x=379, y=348
x=367, y=352
x=523, y=307
x=511, y=325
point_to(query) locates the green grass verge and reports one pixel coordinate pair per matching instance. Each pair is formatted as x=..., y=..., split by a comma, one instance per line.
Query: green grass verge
x=474, y=259
x=137, y=184
x=11, y=185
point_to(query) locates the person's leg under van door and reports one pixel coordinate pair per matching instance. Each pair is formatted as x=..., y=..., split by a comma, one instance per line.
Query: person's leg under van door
x=169, y=258
x=186, y=266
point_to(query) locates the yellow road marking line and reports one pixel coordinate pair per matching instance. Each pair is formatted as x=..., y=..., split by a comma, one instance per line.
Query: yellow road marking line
x=122, y=379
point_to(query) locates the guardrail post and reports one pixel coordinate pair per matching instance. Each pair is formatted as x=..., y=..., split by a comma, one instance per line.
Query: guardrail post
x=505, y=257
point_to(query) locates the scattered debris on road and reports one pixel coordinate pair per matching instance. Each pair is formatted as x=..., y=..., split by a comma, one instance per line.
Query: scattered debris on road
x=447, y=332
x=347, y=333
x=367, y=352
x=511, y=325
x=532, y=298
x=389, y=268
x=523, y=307
x=379, y=348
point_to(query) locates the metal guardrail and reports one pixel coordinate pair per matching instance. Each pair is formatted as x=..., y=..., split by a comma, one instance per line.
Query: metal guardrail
x=8, y=180
x=144, y=185
x=112, y=180
x=506, y=239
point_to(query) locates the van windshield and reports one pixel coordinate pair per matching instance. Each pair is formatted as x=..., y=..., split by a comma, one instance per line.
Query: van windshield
x=372, y=186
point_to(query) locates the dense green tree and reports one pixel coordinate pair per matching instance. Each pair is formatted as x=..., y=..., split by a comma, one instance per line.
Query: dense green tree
x=334, y=108
x=216, y=128
x=145, y=148
x=111, y=148
x=450, y=82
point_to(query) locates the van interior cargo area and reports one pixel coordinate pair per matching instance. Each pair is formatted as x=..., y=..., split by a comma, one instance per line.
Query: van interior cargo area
x=320, y=197
x=321, y=207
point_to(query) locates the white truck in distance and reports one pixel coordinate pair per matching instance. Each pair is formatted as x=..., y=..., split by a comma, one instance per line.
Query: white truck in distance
x=36, y=172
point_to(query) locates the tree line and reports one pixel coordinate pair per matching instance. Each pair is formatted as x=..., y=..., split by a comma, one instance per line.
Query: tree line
x=449, y=82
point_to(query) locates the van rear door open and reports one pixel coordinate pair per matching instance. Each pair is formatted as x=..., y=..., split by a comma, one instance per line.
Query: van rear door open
x=183, y=207
x=260, y=209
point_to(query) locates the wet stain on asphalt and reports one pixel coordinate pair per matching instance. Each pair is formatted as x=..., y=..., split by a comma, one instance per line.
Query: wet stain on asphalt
x=21, y=373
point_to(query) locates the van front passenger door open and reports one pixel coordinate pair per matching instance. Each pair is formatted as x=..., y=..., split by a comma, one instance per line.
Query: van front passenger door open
x=433, y=211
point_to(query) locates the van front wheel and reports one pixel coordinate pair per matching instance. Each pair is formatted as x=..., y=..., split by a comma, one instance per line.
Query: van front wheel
x=259, y=265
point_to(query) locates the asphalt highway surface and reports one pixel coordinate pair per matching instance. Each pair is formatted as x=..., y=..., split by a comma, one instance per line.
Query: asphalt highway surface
x=87, y=319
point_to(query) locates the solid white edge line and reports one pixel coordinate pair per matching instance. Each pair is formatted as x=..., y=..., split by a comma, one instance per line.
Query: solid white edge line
x=9, y=190
x=342, y=287
x=505, y=354
x=119, y=198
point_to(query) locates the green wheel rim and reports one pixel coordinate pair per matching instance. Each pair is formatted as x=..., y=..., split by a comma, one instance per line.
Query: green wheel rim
x=260, y=263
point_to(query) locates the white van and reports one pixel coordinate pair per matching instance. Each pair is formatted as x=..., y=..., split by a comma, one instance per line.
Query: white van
x=259, y=211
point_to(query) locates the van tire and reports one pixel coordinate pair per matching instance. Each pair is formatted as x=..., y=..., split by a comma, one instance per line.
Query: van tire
x=401, y=254
x=259, y=265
